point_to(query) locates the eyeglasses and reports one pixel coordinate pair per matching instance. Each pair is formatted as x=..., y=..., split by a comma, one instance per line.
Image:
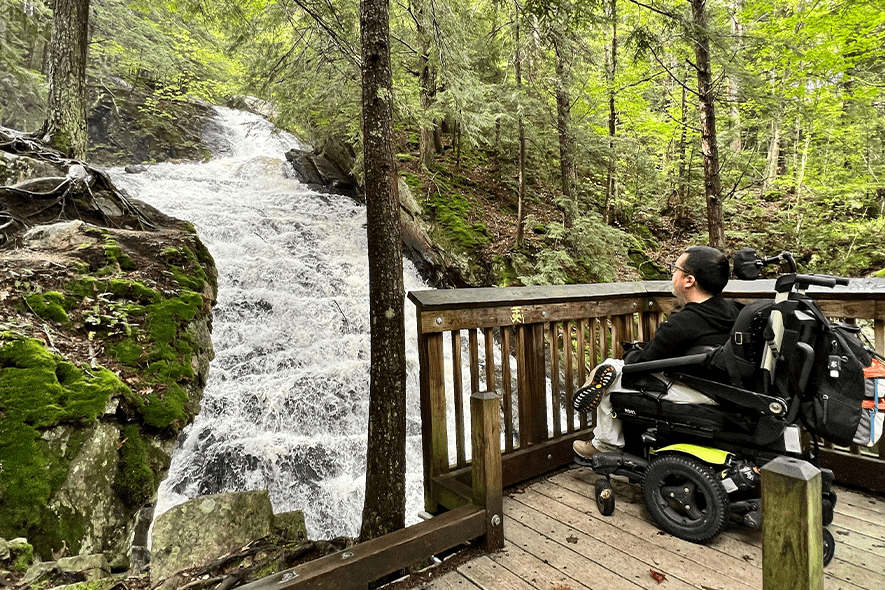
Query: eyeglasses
x=674, y=267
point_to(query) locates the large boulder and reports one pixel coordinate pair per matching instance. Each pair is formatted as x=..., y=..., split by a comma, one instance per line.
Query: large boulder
x=200, y=530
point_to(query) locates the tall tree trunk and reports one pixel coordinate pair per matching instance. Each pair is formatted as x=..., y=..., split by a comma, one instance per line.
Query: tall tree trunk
x=426, y=84
x=385, y=503
x=564, y=116
x=520, y=209
x=737, y=32
x=774, y=152
x=684, y=175
x=709, y=144
x=611, y=61
x=67, y=77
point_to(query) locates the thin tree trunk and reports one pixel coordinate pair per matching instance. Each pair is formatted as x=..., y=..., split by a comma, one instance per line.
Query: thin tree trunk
x=385, y=504
x=737, y=32
x=520, y=209
x=684, y=166
x=774, y=150
x=709, y=144
x=67, y=77
x=426, y=82
x=564, y=117
x=611, y=59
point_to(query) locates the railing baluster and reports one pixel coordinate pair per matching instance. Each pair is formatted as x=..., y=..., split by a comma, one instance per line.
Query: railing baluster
x=569, y=370
x=473, y=351
x=507, y=388
x=556, y=402
x=490, y=359
x=458, y=387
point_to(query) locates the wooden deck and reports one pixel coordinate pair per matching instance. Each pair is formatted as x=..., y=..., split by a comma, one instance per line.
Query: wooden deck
x=557, y=540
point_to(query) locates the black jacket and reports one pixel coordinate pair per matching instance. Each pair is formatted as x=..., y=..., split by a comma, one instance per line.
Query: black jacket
x=707, y=323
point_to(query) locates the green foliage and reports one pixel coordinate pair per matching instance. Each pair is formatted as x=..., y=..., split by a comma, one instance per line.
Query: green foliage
x=585, y=253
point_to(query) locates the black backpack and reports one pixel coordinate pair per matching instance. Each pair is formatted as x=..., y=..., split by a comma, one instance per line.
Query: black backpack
x=831, y=407
x=830, y=401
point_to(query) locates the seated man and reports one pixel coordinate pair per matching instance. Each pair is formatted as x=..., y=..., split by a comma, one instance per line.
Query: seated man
x=705, y=319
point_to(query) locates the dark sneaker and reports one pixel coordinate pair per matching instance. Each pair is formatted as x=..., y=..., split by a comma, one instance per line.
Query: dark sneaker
x=589, y=396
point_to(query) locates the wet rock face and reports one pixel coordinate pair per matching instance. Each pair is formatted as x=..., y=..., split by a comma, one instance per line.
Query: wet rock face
x=124, y=128
x=320, y=173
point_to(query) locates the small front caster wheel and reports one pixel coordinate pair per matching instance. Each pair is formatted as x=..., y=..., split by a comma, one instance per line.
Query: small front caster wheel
x=829, y=547
x=605, y=497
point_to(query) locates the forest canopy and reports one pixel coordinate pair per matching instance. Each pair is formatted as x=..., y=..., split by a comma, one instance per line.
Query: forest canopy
x=588, y=108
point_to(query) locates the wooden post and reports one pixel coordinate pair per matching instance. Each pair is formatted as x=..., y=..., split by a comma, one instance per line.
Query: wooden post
x=792, y=528
x=488, y=490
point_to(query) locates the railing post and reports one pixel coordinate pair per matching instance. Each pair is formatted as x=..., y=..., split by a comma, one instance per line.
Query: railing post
x=792, y=529
x=488, y=489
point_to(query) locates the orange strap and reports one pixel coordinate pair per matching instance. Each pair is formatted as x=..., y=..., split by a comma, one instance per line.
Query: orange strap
x=876, y=369
x=867, y=404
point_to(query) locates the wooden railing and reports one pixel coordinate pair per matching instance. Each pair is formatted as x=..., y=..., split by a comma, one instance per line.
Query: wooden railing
x=552, y=335
x=549, y=337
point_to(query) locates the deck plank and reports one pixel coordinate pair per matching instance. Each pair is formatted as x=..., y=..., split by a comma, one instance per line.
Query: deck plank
x=556, y=538
x=488, y=575
x=540, y=573
x=722, y=564
x=567, y=559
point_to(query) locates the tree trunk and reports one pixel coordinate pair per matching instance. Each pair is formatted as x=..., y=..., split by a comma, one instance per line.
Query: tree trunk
x=520, y=209
x=426, y=83
x=564, y=116
x=384, y=508
x=684, y=175
x=737, y=32
x=774, y=152
x=709, y=144
x=67, y=77
x=611, y=59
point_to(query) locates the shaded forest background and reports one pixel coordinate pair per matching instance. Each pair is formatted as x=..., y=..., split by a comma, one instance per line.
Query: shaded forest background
x=547, y=141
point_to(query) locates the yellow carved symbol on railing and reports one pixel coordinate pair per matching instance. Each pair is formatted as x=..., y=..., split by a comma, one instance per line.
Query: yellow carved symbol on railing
x=516, y=315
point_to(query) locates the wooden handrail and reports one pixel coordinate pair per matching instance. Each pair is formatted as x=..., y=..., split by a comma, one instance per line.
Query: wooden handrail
x=553, y=334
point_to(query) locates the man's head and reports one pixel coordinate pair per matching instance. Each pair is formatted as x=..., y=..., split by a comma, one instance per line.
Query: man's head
x=700, y=273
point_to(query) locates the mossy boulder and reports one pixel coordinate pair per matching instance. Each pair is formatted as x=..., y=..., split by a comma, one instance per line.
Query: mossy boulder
x=104, y=351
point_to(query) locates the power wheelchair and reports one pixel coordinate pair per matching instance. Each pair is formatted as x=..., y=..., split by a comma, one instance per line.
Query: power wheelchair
x=699, y=427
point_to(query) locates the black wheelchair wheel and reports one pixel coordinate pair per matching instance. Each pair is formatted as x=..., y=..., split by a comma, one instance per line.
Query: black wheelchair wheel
x=605, y=497
x=829, y=547
x=828, y=507
x=685, y=498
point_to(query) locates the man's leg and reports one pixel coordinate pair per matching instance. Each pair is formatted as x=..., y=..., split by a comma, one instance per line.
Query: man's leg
x=608, y=434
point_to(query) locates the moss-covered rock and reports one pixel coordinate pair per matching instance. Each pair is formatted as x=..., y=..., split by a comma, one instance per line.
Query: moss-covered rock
x=103, y=356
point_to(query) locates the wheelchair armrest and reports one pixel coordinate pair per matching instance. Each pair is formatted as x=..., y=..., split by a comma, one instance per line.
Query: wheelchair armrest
x=664, y=364
x=765, y=404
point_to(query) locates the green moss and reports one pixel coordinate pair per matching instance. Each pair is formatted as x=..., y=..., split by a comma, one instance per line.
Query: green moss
x=127, y=351
x=49, y=305
x=38, y=391
x=24, y=559
x=116, y=256
x=452, y=212
x=135, y=481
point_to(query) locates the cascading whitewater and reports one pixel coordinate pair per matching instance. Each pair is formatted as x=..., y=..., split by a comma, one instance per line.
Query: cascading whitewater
x=286, y=404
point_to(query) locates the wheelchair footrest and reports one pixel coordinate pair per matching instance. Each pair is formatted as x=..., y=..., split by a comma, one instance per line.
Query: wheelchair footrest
x=630, y=466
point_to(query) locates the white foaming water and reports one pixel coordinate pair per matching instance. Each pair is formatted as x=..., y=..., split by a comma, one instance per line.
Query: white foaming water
x=286, y=405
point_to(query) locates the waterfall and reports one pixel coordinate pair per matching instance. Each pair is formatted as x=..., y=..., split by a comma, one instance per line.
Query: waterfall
x=286, y=404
